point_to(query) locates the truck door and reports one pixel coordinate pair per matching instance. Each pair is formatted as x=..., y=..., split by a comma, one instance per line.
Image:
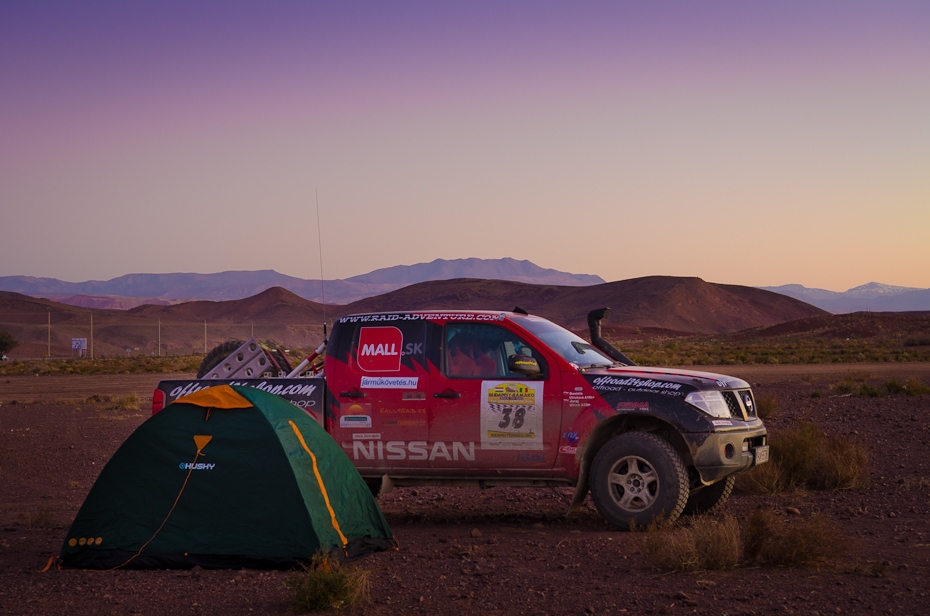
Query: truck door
x=382, y=399
x=484, y=415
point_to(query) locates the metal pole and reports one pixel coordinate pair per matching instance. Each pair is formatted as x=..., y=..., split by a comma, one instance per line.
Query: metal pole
x=91, y=335
x=159, y=336
x=253, y=327
x=205, y=337
x=48, y=354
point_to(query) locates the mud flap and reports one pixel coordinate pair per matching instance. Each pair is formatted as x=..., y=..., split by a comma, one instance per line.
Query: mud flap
x=581, y=491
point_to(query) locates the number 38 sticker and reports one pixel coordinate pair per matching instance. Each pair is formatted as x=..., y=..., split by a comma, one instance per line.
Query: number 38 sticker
x=511, y=415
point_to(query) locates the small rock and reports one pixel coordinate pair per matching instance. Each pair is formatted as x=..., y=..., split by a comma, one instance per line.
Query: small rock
x=475, y=533
x=682, y=596
x=589, y=610
x=793, y=511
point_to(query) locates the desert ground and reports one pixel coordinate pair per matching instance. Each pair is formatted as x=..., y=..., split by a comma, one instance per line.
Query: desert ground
x=499, y=551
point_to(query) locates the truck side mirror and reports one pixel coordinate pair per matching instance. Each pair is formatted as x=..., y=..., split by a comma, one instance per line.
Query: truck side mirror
x=523, y=364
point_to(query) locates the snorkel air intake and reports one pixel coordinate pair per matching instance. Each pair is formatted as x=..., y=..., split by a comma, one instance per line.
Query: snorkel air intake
x=594, y=326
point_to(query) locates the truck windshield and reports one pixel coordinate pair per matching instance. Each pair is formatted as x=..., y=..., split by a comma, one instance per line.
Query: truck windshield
x=573, y=348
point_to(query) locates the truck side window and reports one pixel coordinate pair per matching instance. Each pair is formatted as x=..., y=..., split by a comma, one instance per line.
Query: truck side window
x=480, y=351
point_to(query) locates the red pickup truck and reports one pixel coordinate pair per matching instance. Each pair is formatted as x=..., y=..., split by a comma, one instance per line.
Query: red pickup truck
x=485, y=398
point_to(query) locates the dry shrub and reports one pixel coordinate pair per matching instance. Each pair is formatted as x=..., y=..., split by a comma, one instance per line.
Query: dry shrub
x=795, y=451
x=114, y=403
x=326, y=584
x=710, y=543
x=867, y=391
x=39, y=519
x=914, y=387
x=850, y=383
x=842, y=464
x=893, y=387
x=763, y=479
x=766, y=406
x=805, y=457
x=770, y=540
x=124, y=403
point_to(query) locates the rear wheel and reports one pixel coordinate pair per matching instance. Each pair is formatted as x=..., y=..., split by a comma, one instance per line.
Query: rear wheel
x=636, y=477
x=710, y=498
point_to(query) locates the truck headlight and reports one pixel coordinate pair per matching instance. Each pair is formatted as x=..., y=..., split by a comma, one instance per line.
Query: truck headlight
x=711, y=402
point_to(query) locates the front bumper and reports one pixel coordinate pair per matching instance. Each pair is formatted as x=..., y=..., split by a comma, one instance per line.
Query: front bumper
x=719, y=454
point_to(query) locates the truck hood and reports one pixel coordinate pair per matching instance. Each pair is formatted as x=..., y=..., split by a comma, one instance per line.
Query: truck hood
x=671, y=379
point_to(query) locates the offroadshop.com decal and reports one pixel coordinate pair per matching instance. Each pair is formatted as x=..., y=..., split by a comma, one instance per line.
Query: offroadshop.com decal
x=610, y=383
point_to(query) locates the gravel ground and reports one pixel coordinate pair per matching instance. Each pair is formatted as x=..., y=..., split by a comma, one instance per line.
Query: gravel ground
x=503, y=551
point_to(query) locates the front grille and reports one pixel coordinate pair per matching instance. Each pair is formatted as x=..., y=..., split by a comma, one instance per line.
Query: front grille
x=741, y=404
x=733, y=404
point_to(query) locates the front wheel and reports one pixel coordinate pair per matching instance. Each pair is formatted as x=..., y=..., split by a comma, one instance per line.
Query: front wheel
x=636, y=477
x=709, y=498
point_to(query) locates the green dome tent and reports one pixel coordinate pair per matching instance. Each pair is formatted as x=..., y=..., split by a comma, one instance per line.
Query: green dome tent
x=227, y=477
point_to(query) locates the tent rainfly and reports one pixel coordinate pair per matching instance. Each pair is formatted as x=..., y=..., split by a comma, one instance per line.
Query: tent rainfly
x=227, y=477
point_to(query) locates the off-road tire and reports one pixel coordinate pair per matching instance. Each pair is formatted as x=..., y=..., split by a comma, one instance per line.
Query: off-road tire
x=220, y=352
x=709, y=498
x=637, y=477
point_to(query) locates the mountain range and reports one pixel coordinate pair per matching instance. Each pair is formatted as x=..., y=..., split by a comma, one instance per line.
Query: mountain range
x=129, y=291
x=655, y=304
x=871, y=297
x=133, y=290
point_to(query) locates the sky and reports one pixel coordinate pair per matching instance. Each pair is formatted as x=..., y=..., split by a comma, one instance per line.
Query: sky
x=746, y=142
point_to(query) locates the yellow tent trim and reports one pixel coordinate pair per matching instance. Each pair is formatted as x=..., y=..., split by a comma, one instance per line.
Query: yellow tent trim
x=201, y=441
x=218, y=397
x=316, y=471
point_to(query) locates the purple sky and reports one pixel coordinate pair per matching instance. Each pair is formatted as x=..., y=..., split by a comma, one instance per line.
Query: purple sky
x=753, y=143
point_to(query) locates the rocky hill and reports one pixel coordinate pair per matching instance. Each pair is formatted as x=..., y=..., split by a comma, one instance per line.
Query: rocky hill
x=683, y=305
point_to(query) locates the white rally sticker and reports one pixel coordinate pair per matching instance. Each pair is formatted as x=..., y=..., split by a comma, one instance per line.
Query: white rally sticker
x=366, y=436
x=390, y=382
x=511, y=415
x=355, y=421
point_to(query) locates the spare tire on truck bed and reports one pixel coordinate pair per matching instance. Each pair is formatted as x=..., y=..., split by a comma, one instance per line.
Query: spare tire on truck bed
x=225, y=349
x=220, y=352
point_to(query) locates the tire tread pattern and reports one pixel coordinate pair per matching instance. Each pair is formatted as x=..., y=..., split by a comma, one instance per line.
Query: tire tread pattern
x=711, y=498
x=220, y=352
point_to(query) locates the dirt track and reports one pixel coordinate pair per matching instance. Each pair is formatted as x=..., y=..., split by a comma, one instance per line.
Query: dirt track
x=463, y=551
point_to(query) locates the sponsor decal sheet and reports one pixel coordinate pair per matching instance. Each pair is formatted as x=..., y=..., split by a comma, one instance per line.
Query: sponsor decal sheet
x=511, y=415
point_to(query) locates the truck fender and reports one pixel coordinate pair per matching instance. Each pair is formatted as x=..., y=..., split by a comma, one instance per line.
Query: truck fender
x=607, y=428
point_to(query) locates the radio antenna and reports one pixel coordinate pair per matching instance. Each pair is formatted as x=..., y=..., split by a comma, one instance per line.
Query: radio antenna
x=319, y=241
x=322, y=348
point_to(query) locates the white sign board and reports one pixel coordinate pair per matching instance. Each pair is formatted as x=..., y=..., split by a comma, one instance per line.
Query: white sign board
x=79, y=344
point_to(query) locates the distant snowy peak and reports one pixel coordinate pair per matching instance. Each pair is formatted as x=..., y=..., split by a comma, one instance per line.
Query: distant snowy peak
x=877, y=289
x=874, y=296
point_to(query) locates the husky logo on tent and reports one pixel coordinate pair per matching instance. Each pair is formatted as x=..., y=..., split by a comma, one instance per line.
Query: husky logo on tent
x=379, y=349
